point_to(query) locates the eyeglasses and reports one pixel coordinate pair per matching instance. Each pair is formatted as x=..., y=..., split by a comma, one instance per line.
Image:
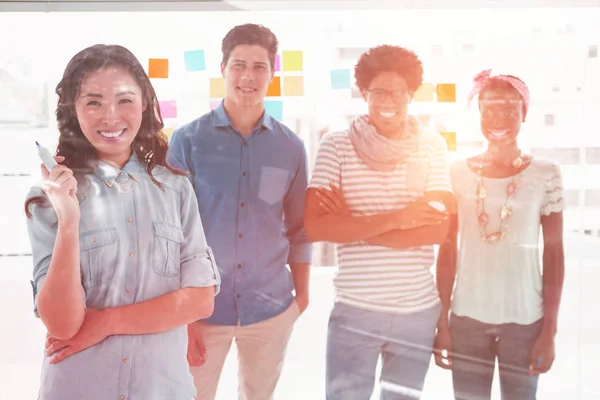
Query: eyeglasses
x=399, y=96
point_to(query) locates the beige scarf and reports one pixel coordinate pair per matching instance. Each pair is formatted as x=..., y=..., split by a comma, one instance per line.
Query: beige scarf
x=379, y=152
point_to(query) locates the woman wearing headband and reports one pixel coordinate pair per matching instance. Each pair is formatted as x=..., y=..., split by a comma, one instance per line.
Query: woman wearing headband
x=502, y=307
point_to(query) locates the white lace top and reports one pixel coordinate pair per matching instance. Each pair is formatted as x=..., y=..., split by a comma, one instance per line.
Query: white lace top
x=502, y=282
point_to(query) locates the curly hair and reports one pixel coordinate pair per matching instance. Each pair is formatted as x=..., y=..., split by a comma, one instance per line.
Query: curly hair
x=150, y=143
x=387, y=58
x=250, y=34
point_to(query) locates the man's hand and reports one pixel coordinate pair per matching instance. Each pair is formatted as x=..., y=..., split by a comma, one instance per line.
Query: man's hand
x=542, y=355
x=196, y=353
x=442, y=348
x=332, y=200
x=302, y=301
x=93, y=331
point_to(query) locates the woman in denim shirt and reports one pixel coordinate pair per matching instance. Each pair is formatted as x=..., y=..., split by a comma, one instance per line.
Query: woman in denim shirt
x=121, y=263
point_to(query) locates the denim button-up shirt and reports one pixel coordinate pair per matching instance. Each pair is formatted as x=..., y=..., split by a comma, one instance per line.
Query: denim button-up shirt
x=137, y=242
x=251, y=195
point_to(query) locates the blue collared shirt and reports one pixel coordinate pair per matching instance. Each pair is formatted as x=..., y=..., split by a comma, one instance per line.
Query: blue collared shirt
x=251, y=197
x=137, y=242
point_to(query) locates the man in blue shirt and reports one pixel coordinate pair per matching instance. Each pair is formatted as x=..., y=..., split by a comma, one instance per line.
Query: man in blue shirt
x=249, y=173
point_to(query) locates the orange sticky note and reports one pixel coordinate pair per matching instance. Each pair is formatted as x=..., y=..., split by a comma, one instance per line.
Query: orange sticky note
x=217, y=87
x=293, y=86
x=450, y=138
x=424, y=93
x=274, y=89
x=446, y=92
x=158, y=68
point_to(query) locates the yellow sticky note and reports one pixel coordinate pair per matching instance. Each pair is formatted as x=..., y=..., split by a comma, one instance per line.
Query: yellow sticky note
x=217, y=87
x=292, y=61
x=158, y=68
x=424, y=93
x=446, y=92
x=293, y=86
x=168, y=132
x=450, y=138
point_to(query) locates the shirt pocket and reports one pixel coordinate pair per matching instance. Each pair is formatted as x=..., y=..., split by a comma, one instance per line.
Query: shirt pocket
x=98, y=252
x=166, y=252
x=273, y=182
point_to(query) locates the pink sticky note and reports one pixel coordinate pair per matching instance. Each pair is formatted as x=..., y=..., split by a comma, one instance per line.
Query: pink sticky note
x=168, y=109
x=214, y=104
x=277, y=62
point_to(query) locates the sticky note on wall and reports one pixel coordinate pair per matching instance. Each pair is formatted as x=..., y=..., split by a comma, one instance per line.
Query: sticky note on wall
x=194, y=60
x=293, y=86
x=292, y=61
x=446, y=92
x=450, y=138
x=274, y=89
x=168, y=132
x=158, y=68
x=425, y=93
x=277, y=62
x=274, y=108
x=168, y=109
x=340, y=79
x=217, y=87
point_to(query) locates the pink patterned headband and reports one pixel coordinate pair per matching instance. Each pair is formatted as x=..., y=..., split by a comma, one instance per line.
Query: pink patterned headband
x=482, y=79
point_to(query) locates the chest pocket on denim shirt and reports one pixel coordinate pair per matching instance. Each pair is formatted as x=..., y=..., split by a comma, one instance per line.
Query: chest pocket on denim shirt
x=98, y=252
x=166, y=253
x=273, y=182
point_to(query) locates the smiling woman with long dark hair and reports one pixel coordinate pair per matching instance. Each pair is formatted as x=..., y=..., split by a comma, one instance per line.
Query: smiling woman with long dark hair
x=121, y=264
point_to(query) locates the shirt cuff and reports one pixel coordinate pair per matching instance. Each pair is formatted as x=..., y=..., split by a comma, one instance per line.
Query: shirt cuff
x=300, y=254
x=201, y=271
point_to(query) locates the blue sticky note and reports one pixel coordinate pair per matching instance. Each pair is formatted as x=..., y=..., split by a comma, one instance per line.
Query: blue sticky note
x=274, y=108
x=340, y=79
x=194, y=60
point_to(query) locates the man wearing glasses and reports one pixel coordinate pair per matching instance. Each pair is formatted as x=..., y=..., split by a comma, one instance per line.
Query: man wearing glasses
x=381, y=190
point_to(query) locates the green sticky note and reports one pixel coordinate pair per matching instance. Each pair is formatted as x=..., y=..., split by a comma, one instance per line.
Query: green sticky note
x=274, y=108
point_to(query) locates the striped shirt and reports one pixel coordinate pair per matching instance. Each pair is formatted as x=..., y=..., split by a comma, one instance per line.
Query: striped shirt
x=374, y=277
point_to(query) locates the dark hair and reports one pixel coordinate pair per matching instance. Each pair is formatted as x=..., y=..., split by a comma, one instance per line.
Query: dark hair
x=389, y=58
x=150, y=143
x=501, y=85
x=250, y=34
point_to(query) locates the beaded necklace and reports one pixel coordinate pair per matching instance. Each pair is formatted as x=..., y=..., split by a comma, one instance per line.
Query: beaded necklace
x=505, y=210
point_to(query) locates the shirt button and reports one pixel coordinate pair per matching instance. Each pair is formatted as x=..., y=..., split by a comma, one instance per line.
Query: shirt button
x=129, y=219
x=122, y=397
x=237, y=296
x=242, y=205
x=243, y=174
x=128, y=290
x=239, y=265
x=245, y=143
x=94, y=240
x=131, y=254
x=124, y=187
x=125, y=360
x=120, y=174
x=240, y=235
